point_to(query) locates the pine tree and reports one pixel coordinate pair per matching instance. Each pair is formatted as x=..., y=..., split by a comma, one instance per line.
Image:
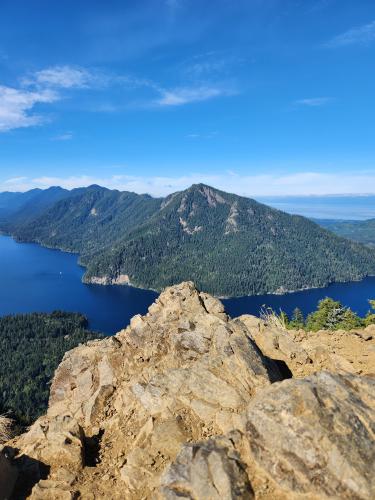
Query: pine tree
x=297, y=321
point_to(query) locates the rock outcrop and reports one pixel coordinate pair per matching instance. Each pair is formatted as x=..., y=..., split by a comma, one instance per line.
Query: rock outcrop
x=307, y=438
x=188, y=403
x=308, y=352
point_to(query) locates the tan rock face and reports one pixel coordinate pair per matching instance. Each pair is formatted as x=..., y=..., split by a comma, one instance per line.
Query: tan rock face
x=314, y=436
x=210, y=469
x=183, y=403
x=308, y=352
x=311, y=438
x=181, y=373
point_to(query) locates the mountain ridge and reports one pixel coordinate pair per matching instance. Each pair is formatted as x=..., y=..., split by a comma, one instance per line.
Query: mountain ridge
x=362, y=231
x=229, y=245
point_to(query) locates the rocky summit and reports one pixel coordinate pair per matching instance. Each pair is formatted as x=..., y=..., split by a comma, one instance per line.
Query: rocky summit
x=189, y=403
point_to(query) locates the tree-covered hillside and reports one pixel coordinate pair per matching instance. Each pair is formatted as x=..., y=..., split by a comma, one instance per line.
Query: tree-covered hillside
x=18, y=208
x=31, y=348
x=89, y=219
x=362, y=231
x=228, y=245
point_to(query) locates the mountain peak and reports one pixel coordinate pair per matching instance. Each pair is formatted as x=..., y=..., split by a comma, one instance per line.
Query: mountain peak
x=212, y=195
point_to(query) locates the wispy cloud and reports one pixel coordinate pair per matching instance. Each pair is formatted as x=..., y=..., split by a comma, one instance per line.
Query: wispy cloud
x=64, y=77
x=313, y=101
x=185, y=95
x=67, y=136
x=210, y=64
x=300, y=183
x=209, y=135
x=67, y=77
x=360, y=35
x=16, y=107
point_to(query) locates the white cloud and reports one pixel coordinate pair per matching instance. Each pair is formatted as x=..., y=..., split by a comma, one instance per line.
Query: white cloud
x=16, y=106
x=47, y=86
x=63, y=77
x=185, y=95
x=303, y=183
x=360, y=35
x=314, y=101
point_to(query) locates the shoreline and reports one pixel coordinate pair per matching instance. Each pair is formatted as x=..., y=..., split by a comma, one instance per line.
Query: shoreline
x=123, y=279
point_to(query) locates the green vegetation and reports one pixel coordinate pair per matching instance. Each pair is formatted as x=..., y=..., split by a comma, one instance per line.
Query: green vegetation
x=362, y=231
x=330, y=315
x=31, y=347
x=88, y=220
x=228, y=245
x=24, y=207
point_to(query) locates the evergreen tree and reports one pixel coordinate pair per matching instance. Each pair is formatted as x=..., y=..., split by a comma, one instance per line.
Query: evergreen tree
x=297, y=321
x=370, y=316
x=31, y=348
x=332, y=315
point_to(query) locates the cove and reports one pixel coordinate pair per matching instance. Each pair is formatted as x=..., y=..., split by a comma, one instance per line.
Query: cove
x=34, y=278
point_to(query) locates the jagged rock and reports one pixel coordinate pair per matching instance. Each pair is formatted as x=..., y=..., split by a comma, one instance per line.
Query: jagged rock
x=314, y=436
x=182, y=372
x=207, y=470
x=311, y=438
x=308, y=352
x=55, y=440
x=183, y=403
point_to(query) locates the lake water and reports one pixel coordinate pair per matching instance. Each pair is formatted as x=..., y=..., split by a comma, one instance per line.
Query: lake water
x=34, y=278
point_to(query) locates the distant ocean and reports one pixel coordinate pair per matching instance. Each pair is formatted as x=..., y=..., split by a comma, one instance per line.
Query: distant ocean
x=325, y=207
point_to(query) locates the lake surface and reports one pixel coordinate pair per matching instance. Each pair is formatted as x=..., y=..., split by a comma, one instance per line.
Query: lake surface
x=34, y=278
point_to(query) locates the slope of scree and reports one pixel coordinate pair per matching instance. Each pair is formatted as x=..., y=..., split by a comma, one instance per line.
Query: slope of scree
x=184, y=404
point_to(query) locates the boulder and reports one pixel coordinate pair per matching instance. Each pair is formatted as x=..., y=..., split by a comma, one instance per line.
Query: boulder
x=208, y=470
x=313, y=436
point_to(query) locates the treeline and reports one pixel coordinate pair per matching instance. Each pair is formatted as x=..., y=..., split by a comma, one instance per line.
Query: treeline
x=329, y=315
x=31, y=348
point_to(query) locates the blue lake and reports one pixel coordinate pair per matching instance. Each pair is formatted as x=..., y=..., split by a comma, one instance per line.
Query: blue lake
x=34, y=278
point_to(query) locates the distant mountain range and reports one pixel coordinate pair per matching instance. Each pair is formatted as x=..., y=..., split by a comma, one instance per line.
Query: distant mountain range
x=356, y=230
x=227, y=244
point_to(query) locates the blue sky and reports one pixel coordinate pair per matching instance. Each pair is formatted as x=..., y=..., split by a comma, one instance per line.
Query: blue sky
x=258, y=97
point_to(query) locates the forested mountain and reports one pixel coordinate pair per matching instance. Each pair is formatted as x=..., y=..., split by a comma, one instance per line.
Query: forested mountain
x=87, y=220
x=31, y=348
x=226, y=244
x=357, y=230
x=23, y=207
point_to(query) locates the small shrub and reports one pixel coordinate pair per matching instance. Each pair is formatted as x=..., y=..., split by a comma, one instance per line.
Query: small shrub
x=273, y=319
x=332, y=315
x=297, y=321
